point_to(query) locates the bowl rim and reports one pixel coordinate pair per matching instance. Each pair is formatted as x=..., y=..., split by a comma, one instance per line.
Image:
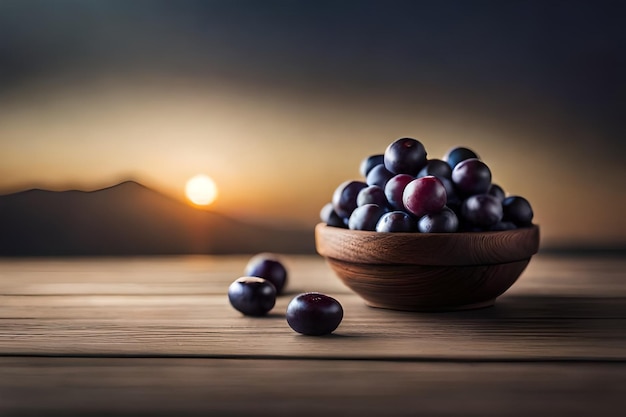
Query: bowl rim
x=460, y=248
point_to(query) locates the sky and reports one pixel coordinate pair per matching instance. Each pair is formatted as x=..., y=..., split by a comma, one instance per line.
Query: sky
x=279, y=101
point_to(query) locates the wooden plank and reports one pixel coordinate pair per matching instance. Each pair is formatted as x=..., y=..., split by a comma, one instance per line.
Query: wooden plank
x=580, y=276
x=426, y=249
x=518, y=327
x=195, y=387
x=149, y=275
x=553, y=345
x=562, y=309
x=554, y=275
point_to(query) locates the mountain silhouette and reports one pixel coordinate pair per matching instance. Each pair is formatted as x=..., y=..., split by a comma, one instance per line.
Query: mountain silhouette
x=129, y=219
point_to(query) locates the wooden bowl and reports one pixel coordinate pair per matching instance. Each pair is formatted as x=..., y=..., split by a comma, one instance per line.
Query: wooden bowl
x=427, y=271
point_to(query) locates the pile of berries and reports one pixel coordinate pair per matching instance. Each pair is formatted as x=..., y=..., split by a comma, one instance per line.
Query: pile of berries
x=404, y=191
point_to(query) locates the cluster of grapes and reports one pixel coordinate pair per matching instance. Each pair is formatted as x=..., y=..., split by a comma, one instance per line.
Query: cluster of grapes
x=265, y=276
x=404, y=191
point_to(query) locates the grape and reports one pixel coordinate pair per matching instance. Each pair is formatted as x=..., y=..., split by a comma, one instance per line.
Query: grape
x=405, y=156
x=451, y=196
x=471, y=176
x=424, y=195
x=372, y=194
x=252, y=296
x=365, y=217
x=395, y=221
x=482, y=210
x=444, y=221
x=379, y=175
x=517, y=210
x=395, y=188
x=330, y=217
x=344, y=197
x=496, y=191
x=458, y=154
x=370, y=162
x=269, y=267
x=436, y=168
x=314, y=314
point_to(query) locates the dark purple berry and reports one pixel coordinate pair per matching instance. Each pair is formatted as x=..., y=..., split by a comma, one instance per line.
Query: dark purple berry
x=405, y=156
x=497, y=191
x=344, y=197
x=436, y=168
x=314, y=314
x=365, y=217
x=517, y=209
x=396, y=222
x=269, y=267
x=395, y=189
x=458, y=154
x=471, y=176
x=372, y=194
x=379, y=175
x=444, y=221
x=424, y=195
x=330, y=217
x=482, y=210
x=252, y=296
x=451, y=195
x=370, y=162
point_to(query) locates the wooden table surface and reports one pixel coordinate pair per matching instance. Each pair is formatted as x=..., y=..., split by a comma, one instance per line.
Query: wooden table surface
x=157, y=336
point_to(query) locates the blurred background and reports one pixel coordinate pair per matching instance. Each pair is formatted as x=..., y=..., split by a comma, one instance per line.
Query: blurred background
x=279, y=101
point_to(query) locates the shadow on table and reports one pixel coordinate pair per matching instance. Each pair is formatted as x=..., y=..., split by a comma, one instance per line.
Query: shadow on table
x=547, y=315
x=546, y=306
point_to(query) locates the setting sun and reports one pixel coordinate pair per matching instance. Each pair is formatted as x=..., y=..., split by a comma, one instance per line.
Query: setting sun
x=201, y=190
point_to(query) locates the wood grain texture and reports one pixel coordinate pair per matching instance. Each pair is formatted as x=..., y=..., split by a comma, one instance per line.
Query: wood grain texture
x=199, y=275
x=560, y=309
x=480, y=248
x=512, y=330
x=427, y=272
x=204, y=387
x=145, y=276
x=157, y=337
x=428, y=288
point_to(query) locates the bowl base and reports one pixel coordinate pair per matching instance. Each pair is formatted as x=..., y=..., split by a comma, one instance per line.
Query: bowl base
x=471, y=306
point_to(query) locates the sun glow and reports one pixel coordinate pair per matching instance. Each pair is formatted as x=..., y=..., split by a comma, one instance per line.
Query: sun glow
x=201, y=190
